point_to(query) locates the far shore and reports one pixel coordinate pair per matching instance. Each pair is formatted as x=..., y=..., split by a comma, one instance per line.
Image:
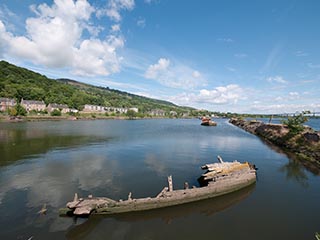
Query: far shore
x=5, y=118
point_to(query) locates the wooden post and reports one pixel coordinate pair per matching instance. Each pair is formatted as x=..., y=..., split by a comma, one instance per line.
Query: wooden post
x=220, y=159
x=129, y=196
x=165, y=189
x=270, y=119
x=75, y=199
x=170, y=183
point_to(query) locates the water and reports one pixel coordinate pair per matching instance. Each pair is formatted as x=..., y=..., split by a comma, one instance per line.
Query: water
x=312, y=122
x=47, y=162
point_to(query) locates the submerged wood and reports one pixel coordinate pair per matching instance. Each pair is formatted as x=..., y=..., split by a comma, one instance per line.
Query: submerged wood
x=220, y=178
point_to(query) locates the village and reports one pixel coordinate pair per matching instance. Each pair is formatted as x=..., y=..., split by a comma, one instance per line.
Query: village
x=41, y=107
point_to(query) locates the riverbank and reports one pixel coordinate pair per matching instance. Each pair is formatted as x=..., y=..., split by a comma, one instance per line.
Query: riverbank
x=4, y=118
x=305, y=146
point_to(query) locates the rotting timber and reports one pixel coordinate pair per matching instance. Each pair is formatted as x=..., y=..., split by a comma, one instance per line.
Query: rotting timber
x=220, y=178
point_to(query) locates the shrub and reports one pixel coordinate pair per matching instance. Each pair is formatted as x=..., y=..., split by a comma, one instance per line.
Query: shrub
x=295, y=123
x=55, y=112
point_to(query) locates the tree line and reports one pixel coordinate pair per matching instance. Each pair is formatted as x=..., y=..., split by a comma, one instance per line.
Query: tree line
x=20, y=83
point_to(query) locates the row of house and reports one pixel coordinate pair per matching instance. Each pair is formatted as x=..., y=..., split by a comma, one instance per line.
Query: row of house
x=32, y=105
x=102, y=109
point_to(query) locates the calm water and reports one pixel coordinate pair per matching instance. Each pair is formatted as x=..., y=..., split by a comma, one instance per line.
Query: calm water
x=47, y=162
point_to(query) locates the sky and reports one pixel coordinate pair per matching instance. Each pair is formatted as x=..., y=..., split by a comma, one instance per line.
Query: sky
x=227, y=56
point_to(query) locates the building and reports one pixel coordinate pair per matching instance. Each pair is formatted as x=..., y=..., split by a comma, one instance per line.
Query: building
x=134, y=109
x=61, y=107
x=30, y=105
x=7, y=103
x=157, y=112
x=93, y=109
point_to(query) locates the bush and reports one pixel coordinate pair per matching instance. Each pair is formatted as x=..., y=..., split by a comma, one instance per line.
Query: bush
x=295, y=123
x=55, y=112
x=18, y=110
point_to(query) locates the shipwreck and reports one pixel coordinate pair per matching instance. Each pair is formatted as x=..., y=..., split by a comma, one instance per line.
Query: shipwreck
x=219, y=179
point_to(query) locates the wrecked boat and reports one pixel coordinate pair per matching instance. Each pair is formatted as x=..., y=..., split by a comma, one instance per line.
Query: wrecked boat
x=219, y=179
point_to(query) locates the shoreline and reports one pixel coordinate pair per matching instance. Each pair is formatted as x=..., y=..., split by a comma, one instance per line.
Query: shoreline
x=304, y=146
x=73, y=118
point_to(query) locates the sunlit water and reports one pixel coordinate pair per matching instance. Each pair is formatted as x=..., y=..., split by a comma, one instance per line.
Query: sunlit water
x=47, y=162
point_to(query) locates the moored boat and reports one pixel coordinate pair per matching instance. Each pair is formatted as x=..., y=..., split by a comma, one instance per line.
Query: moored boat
x=220, y=178
x=206, y=121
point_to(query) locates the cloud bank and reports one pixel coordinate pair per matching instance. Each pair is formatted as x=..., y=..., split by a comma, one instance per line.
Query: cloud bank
x=62, y=36
x=175, y=74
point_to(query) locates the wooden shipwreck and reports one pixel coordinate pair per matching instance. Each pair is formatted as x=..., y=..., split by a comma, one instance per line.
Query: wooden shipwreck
x=220, y=178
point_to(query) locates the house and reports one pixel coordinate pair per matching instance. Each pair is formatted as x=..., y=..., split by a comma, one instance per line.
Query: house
x=6, y=103
x=61, y=107
x=93, y=109
x=30, y=105
x=134, y=109
x=173, y=113
x=157, y=112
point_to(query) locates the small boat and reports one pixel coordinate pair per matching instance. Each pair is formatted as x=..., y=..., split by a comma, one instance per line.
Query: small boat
x=219, y=179
x=206, y=121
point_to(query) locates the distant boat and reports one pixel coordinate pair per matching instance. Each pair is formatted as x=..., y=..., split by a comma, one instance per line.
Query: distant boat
x=206, y=121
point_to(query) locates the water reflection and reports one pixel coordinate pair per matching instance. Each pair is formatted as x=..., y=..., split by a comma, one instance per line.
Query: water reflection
x=51, y=180
x=17, y=144
x=97, y=226
x=155, y=164
x=47, y=162
x=296, y=172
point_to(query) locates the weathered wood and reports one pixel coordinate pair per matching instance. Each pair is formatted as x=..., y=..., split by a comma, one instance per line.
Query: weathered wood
x=223, y=178
x=220, y=159
x=165, y=189
x=129, y=196
x=170, y=183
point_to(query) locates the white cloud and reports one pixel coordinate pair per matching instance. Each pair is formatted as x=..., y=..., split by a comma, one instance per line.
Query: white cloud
x=115, y=28
x=141, y=22
x=282, y=108
x=92, y=56
x=231, y=69
x=196, y=74
x=288, y=97
x=311, y=65
x=174, y=75
x=294, y=95
x=241, y=55
x=222, y=95
x=301, y=54
x=54, y=38
x=155, y=71
x=114, y=8
x=277, y=79
x=226, y=40
x=273, y=58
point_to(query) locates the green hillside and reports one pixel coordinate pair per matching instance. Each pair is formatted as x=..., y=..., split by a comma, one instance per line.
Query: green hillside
x=18, y=83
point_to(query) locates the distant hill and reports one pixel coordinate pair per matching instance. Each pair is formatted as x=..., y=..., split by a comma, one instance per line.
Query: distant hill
x=18, y=83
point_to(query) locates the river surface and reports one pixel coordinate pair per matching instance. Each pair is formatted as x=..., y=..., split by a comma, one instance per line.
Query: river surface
x=47, y=162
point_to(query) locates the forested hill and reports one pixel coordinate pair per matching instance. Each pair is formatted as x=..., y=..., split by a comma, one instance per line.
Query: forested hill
x=18, y=83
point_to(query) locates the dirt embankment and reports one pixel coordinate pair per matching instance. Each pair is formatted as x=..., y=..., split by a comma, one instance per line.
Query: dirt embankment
x=305, y=145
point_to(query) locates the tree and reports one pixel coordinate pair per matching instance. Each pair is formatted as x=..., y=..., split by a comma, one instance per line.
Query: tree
x=295, y=123
x=20, y=110
x=56, y=112
x=131, y=114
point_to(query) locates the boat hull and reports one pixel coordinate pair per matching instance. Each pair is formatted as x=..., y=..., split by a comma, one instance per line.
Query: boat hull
x=222, y=186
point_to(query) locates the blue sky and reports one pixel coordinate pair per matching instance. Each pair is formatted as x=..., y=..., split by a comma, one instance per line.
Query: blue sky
x=236, y=56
